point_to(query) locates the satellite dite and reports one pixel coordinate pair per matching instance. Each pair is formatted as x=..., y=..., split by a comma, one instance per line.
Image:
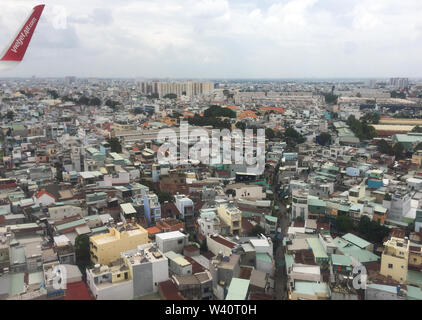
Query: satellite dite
x=14, y=53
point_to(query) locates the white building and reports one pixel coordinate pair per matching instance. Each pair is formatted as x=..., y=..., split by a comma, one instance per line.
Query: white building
x=171, y=241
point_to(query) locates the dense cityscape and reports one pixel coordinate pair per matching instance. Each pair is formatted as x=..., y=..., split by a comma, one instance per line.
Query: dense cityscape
x=84, y=197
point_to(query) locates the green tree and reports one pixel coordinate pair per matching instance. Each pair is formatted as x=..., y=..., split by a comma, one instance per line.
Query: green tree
x=53, y=94
x=256, y=230
x=82, y=253
x=330, y=98
x=217, y=111
x=170, y=96
x=293, y=137
x=398, y=150
x=95, y=101
x=164, y=196
x=115, y=145
x=417, y=129
x=59, y=171
x=419, y=146
x=112, y=104
x=241, y=125
x=371, y=230
x=325, y=139
x=384, y=147
x=84, y=100
x=344, y=223
x=10, y=115
x=269, y=133
x=204, y=247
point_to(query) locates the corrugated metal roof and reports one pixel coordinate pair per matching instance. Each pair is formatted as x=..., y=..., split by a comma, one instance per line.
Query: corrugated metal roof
x=238, y=289
x=361, y=243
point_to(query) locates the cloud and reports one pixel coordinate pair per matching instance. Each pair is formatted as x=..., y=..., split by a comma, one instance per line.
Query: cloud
x=221, y=38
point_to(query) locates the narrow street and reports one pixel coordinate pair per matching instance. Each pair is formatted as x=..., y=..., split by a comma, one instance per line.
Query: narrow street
x=280, y=277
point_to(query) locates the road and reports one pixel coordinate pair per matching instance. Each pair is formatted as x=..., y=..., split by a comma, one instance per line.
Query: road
x=280, y=277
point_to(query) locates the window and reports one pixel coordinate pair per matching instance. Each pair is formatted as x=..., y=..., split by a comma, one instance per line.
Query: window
x=118, y=276
x=390, y=266
x=180, y=241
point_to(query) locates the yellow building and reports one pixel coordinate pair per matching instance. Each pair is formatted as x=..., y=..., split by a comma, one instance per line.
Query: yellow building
x=357, y=193
x=394, y=259
x=231, y=215
x=105, y=248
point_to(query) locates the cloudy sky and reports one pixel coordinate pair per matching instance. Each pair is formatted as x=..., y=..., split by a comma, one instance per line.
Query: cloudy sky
x=219, y=38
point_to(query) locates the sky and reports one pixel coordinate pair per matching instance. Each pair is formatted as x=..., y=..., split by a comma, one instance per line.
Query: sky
x=201, y=39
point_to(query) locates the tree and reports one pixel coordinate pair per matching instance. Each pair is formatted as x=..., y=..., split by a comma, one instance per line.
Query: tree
x=83, y=100
x=293, y=136
x=269, y=133
x=371, y=230
x=164, y=196
x=330, y=98
x=95, y=101
x=325, y=139
x=384, y=147
x=387, y=197
x=10, y=115
x=371, y=117
x=53, y=94
x=417, y=129
x=59, y=171
x=115, y=145
x=170, y=96
x=241, y=125
x=419, y=146
x=112, y=104
x=344, y=223
x=256, y=230
x=398, y=150
x=82, y=253
x=204, y=247
x=217, y=111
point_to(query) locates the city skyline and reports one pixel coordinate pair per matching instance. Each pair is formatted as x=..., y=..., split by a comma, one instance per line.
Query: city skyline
x=219, y=39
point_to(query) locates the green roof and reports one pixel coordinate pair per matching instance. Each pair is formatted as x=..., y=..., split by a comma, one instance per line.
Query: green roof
x=414, y=277
x=238, y=289
x=71, y=224
x=17, y=255
x=361, y=255
x=289, y=260
x=310, y=288
x=359, y=242
x=16, y=283
x=341, y=260
x=315, y=202
x=383, y=287
x=414, y=293
x=271, y=218
x=265, y=257
x=418, y=216
x=317, y=248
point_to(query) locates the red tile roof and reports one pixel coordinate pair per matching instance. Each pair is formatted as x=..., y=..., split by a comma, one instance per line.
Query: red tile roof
x=196, y=267
x=245, y=273
x=77, y=291
x=42, y=192
x=169, y=291
x=223, y=241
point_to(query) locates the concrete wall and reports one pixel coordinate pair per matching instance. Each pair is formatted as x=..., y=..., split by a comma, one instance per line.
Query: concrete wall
x=142, y=279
